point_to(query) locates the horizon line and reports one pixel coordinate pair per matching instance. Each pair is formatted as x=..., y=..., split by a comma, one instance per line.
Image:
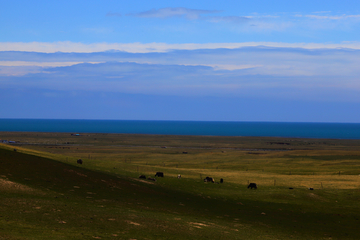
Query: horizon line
x=169, y=120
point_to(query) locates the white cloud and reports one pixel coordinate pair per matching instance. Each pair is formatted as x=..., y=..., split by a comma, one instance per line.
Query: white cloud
x=174, y=12
x=233, y=19
x=315, y=24
x=19, y=68
x=51, y=47
x=37, y=64
x=262, y=21
x=332, y=17
x=284, y=81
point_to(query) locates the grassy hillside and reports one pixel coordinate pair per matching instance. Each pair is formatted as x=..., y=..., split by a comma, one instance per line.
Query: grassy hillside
x=44, y=194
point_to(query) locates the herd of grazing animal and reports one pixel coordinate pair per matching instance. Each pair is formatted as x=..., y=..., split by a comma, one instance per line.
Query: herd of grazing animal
x=207, y=179
x=161, y=174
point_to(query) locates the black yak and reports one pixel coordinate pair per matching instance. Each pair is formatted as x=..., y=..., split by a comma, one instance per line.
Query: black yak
x=209, y=179
x=159, y=174
x=252, y=185
x=79, y=161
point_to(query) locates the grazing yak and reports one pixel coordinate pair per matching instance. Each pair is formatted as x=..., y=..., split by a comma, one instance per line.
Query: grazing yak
x=79, y=161
x=221, y=180
x=159, y=174
x=142, y=176
x=209, y=179
x=152, y=179
x=252, y=185
x=179, y=176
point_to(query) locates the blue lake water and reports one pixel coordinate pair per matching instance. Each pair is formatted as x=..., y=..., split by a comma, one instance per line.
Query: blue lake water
x=271, y=129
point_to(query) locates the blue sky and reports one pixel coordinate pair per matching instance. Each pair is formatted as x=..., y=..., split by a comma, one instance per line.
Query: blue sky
x=181, y=60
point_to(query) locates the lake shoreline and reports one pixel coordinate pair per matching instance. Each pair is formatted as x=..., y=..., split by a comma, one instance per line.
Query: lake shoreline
x=187, y=128
x=116, y=140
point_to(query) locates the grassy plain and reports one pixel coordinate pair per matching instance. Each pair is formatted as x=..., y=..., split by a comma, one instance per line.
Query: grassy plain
x=45, y=194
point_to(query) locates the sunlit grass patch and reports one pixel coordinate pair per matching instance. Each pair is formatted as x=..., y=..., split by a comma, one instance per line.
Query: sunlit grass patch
x=13, y=187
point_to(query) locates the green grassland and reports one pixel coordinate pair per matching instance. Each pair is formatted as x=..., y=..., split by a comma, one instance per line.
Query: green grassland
x=45, y=194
